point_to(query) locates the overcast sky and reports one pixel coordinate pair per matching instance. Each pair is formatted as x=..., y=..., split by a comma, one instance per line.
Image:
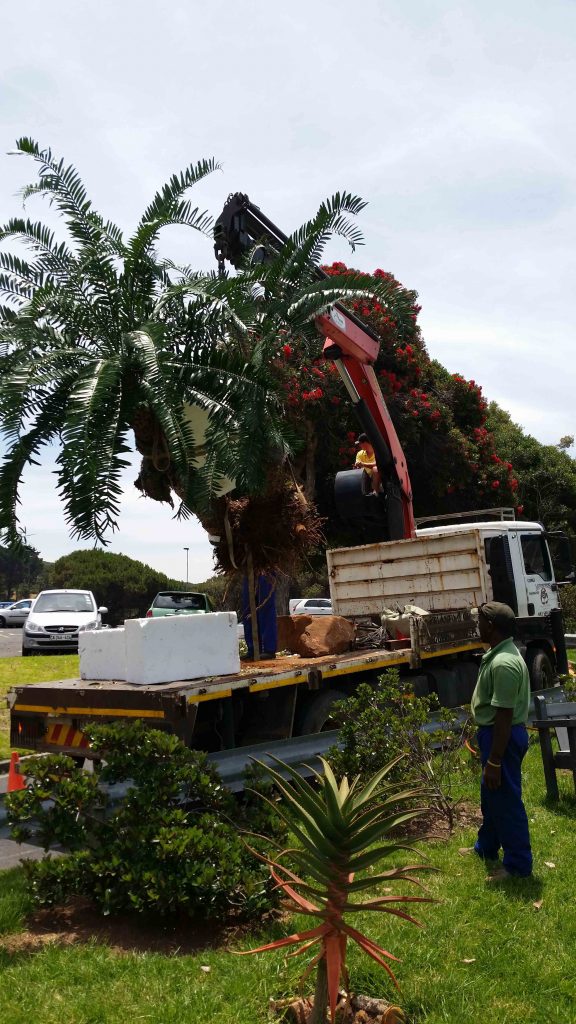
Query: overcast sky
x=454, y=120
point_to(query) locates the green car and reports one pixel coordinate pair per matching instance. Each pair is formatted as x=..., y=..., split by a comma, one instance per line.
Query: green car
x=179, y=602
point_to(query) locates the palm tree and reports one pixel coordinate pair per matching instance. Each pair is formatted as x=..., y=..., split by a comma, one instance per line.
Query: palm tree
x=100, y=337
x=96, y=343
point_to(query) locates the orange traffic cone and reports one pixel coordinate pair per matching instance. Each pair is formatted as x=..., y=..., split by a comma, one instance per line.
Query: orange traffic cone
x=15, y=778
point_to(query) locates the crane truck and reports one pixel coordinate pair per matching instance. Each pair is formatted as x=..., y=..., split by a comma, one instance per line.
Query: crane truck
x=444, y=570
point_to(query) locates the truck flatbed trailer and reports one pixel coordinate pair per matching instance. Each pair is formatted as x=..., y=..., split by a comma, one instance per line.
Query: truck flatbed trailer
x=220, y=712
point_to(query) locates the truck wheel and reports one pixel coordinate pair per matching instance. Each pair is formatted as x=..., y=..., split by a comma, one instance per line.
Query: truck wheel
x=316, y=717
x=540, y=669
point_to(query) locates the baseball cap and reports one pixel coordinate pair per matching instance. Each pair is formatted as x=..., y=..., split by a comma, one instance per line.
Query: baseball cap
x=500, y=615
x=361, y=438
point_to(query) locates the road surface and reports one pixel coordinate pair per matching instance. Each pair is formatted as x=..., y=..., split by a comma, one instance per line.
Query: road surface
x=10, y=641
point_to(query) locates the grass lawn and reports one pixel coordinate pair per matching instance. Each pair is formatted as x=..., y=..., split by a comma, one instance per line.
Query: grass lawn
x=503, y=953
x=41, y=668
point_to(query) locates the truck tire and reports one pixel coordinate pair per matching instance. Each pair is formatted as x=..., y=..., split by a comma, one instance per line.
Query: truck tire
x=540, y=668
x=316, y=717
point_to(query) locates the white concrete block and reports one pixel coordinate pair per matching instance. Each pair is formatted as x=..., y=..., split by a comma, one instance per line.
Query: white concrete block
x=171, y=647
x=102, y=654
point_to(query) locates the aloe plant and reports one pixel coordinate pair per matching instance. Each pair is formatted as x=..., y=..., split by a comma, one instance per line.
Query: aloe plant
x=345, y=830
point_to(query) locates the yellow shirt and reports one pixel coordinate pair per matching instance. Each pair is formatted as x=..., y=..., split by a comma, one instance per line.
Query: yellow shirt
x=365, y=461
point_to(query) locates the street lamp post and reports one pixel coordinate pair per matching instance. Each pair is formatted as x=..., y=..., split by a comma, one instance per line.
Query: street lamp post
x=186, y=550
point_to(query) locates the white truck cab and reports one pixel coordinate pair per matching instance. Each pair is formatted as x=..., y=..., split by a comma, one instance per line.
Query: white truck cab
x=460, y=566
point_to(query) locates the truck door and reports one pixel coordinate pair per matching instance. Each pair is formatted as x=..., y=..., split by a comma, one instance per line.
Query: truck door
x=501, y=571
x=541, y=588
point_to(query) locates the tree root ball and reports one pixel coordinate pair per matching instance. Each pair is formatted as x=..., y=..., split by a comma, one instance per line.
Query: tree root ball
x=278, y=527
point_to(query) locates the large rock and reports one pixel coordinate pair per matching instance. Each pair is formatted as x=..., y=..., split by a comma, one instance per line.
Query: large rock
x=312, y=636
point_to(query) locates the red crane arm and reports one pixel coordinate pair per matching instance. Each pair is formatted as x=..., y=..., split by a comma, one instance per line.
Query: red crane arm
x=354, y=352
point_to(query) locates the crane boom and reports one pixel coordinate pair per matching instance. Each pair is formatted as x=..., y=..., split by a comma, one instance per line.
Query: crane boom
x=353, y=347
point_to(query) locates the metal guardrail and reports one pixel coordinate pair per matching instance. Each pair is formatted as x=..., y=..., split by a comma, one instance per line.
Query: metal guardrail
x=301, y=753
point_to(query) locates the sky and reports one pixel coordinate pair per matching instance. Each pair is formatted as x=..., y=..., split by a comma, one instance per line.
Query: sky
x=453, y=120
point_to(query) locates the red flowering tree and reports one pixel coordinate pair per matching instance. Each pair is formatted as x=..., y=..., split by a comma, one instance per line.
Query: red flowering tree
x=440, y=418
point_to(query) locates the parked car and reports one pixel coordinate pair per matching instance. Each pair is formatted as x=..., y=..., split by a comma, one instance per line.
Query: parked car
x=56, y=618
x=6, y=604
x=179, y=602
x=16, y=613
x=311, y=606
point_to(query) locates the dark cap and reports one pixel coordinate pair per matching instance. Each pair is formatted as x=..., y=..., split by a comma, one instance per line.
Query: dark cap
x=361, y=438
x=500, y=615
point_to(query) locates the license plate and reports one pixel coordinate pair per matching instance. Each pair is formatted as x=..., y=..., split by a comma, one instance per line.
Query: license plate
x=64, y=636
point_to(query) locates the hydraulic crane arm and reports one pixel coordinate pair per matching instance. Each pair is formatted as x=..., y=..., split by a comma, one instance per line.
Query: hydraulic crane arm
x=353, y=346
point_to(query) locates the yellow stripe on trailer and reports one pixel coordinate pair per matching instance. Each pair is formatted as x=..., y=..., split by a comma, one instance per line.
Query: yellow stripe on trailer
x=86, y=712
x=215, y=695
x=274, y=684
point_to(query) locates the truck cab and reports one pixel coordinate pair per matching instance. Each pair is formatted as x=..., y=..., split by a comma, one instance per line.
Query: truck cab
x=521, y=572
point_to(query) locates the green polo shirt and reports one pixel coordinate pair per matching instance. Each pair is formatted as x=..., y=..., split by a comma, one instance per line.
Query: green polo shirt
x=503, y=682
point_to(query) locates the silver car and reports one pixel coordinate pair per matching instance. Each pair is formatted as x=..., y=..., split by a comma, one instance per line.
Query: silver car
x=16, y=614
x=312, y=606
x=56, y=619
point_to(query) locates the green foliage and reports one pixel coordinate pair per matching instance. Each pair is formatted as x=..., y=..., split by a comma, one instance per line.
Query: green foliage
x=20, y=567
x=123, y=585
x=383, y=722
x=546, y=473
x=171, y=844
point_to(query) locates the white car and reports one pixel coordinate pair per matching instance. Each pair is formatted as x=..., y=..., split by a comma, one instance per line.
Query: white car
x=311, y=606
x=15, y=614
x=56, y=618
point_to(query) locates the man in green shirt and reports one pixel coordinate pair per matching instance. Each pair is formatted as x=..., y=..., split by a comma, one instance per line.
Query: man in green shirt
x=500, y=709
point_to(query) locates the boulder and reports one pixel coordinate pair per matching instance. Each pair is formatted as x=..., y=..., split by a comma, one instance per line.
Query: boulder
x=312, y=636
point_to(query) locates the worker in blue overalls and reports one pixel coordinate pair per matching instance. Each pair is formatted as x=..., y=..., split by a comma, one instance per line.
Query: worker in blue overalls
x=500, y=710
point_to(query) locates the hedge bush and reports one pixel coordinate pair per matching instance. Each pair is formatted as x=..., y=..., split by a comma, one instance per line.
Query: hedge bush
x=173, y=843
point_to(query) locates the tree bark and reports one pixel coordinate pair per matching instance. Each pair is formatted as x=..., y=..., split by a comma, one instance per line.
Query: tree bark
x=282, y=592
x=252, y=600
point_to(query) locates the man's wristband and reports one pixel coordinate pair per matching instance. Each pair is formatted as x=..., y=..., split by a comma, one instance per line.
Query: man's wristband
x=492, y=765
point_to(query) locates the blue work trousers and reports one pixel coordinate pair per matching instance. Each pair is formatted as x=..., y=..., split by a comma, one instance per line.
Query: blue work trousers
x=505, y=824
x=266, y=614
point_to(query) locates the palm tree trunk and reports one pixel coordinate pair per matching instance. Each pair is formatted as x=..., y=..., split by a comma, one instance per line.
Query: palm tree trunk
x=252, y=600
x=320, y=995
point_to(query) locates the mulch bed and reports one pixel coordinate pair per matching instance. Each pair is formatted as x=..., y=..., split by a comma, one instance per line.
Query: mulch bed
x=79, y=921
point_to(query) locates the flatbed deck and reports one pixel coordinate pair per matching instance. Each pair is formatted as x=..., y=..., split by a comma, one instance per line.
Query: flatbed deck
x=51, y=715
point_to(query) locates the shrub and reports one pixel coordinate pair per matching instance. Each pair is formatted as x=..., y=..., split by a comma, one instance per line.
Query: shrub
x=171, y=844
x=381, y=722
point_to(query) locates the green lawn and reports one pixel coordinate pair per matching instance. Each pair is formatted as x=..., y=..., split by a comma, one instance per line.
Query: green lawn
x=30, y=670
x=486, y=954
